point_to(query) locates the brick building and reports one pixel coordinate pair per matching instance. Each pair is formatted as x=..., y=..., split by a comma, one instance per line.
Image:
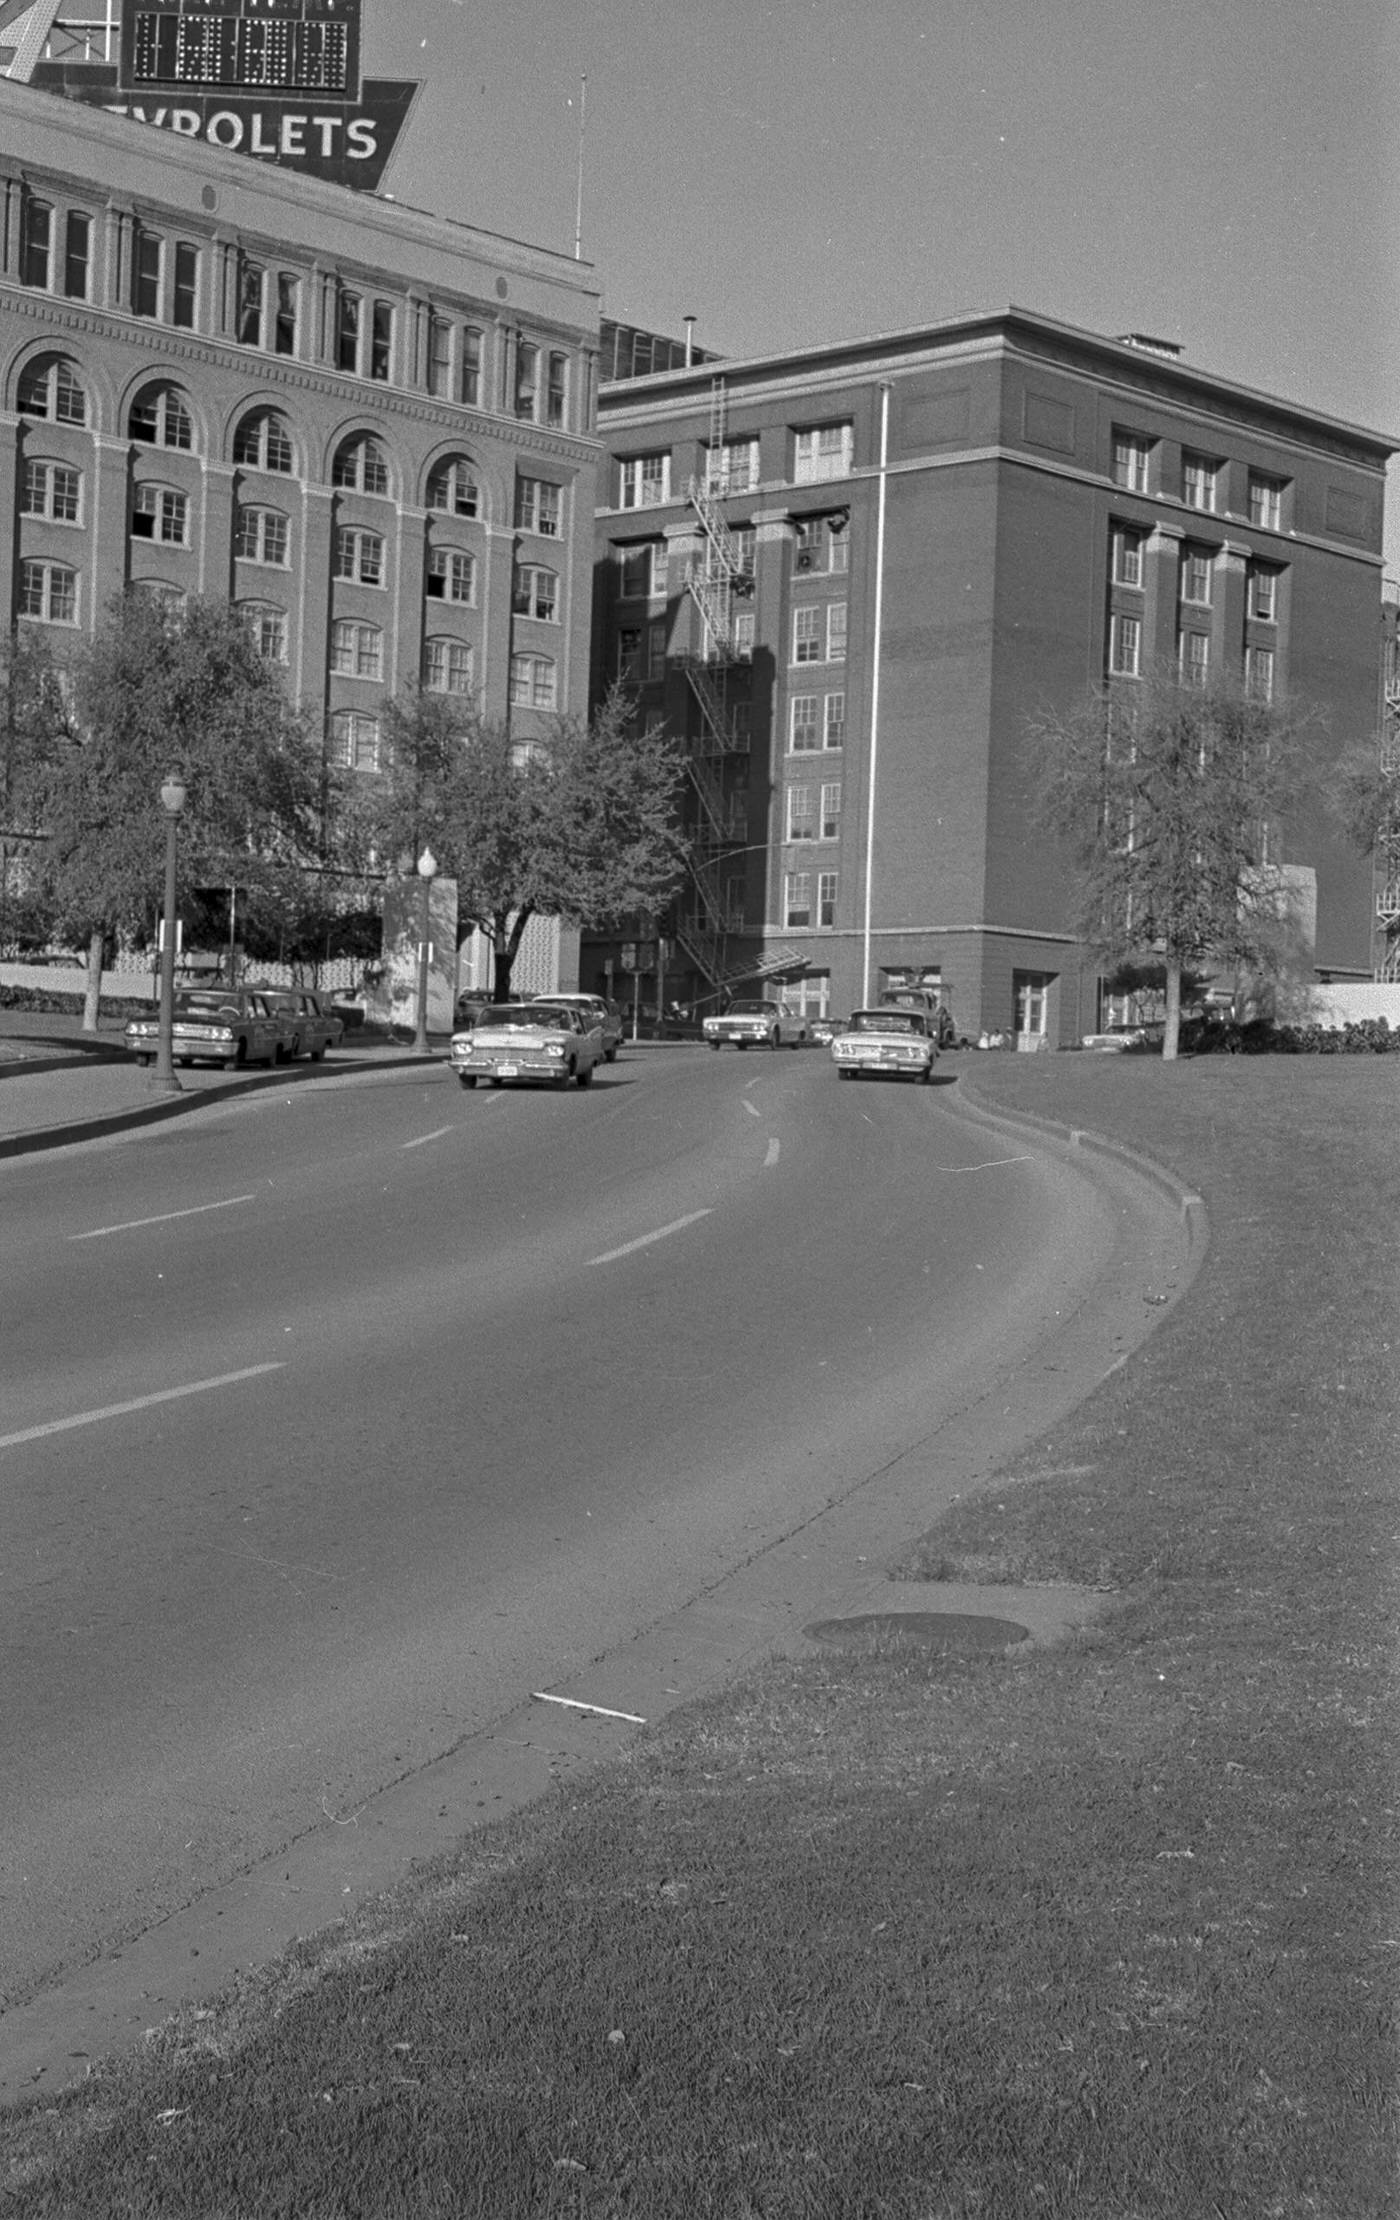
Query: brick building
x=371, y=428
x=853, y=574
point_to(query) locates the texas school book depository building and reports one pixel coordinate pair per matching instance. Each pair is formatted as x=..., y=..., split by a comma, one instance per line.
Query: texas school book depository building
x=369, y=427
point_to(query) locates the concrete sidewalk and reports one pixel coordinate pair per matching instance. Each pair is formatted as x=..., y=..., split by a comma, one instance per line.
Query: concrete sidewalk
x=59, y=1085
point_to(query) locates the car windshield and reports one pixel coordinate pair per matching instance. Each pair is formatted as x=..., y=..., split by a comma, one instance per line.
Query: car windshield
x=886, y=1021
x=205, y=1005
x=512, y=1016
x=577, y=1009
x=753, y=1009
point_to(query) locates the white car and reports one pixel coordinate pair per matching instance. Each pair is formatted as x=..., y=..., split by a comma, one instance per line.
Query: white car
x=595, y=1008
x=901, y=1042
x=530, y=1041
x=755, y=1025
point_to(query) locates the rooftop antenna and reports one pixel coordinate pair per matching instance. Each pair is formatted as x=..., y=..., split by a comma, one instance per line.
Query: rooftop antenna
x=578, y=197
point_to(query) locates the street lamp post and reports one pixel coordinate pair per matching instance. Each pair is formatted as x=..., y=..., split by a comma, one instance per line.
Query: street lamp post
x=427, y=872
x=172, y=801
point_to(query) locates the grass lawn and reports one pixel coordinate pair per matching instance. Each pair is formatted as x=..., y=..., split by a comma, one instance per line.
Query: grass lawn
x=1103, y=1932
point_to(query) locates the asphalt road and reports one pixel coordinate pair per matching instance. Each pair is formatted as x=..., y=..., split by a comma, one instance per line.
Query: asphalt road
x=336, y=1418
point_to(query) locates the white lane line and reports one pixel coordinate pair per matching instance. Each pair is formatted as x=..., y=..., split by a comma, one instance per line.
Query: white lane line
x=772, y=1157
x=542, y=1696
x=424, y=1138
x=130, y=1225
x=990, y=1165
x=645, y=1240
x=137, y=1403
x=753, y=1109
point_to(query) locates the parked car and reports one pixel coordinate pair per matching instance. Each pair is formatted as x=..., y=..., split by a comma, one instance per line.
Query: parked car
x=528, y=1040
x=470, y=1004
x=900, y=1041
x=593, y=1005
x=932, y=1001
x=217, y=1025
x=755, y=1025
x=314, y=1025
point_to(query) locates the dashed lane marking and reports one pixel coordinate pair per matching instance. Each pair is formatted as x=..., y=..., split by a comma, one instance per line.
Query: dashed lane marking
x=753, y=1109
x=132, y=1225
x=645, y=1240
x=424, y=1138
x=137, y=1403
x=772, y=1157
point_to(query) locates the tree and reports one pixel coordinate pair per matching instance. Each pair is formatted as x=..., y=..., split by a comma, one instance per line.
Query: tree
x=1169, y=797
x=183, y=688
x=34, y=722
x=578, y=824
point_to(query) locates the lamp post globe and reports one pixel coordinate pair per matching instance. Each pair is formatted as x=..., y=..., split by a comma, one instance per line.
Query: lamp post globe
x=172, y=801
x=427, y=872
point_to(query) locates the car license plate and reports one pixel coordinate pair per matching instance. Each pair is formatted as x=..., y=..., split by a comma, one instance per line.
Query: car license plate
x=507, y=1071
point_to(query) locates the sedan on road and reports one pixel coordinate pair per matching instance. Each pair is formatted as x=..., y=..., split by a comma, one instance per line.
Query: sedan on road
x=591, y=1007
x=755, y=1025
x=900, y=1041
x=217, y=1025
x=313, y=1026
x=547, y=1042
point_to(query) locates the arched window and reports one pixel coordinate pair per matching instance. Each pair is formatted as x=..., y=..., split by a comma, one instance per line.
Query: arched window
x=536, y=593
x=51, y=387
x=451, y=575
x=358, y=555
x=448, y=667
x=48, y=591
x=53, y=490
x=357, y=650
x=533, y=682
x=360, y=465
x=160, y=415
x=161, y=513
x=171, y=598
x=354, y=739
x=453, y=488
x=262, y=536
x=267, y=627
x=263, y=441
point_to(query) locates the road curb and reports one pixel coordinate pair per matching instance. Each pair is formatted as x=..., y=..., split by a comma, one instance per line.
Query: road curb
x=153, y=1113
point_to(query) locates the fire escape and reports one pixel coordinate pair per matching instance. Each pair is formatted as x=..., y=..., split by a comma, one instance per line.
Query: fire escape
x=1388, y=857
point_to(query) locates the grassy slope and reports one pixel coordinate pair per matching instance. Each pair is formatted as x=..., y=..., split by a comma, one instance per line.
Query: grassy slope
x=1108, y=1932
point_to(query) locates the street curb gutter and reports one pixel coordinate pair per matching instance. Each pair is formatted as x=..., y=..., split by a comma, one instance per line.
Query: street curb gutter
x=153, y=1113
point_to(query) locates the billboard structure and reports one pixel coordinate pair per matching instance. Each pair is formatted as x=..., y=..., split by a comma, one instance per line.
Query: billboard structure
x=279, y=80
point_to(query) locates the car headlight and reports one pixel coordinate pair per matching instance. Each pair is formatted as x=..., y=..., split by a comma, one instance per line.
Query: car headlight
x=554, y=1048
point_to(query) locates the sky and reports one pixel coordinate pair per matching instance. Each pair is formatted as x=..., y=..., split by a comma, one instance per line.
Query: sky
x=793, y=171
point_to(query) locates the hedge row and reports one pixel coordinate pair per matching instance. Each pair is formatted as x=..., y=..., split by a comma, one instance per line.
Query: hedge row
x=1221, y=1036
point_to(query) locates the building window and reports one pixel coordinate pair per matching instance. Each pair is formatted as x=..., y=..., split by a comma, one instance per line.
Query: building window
x=836, y=632
x=1132, y=462
x=1030, y=992
x=439, y=357
x=642, y=571
x=1266, y=501
x=538, y=507
x=359, y=555
x=469, y=389
x=357, y=650
x=1127, y=547
x=77, y=255
x=527, y=380
x=451, y=575
x=48, y=591
x=264, y=442
x=629, y=654
x=1259, y=673
x=536, y=593
x=381, y=342
x=268, y=629
x=160, y=513
x=801, y=817
x=1194, y=658
x=35, y=237
x=447, y=667
x=645, y=481
x=1197, y=572
x=262, y=536
x=1124, y=646
x=745, y=550
x=797, y=898
x=248, y=322
x=1199, y=479
x=835, y=721
x=360, y=466
x=824, y=451
x=354, y=740
x=732, y=466
x=51, y=490
x=802, y=724
x=556, y=400
x=821, y=544
x=656, y=648
x=53, y=389
x=1262, y=602
x=830, y=815
x=807, y=635
x=533, y=682
x=826, y=898
x=347, y=331
x=184, y=291
x=744, y=638
x=809, y=997
x=452, y=488
x=145, y=272
x=161, y=417
x=284, y=323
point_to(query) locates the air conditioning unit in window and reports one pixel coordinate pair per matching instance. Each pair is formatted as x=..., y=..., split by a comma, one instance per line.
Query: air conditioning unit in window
x=805, y=558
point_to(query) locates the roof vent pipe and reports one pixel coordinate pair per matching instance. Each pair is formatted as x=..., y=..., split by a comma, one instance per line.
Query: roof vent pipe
x=689, y=322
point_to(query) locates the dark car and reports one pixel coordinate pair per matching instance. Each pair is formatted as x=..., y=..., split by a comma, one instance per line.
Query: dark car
x=469, y=1006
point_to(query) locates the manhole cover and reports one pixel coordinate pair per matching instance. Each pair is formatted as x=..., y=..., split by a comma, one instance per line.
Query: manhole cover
x=929, y=1630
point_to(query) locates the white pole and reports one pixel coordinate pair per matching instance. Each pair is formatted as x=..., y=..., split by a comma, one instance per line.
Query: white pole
x=875, y=684
x=578, y=197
